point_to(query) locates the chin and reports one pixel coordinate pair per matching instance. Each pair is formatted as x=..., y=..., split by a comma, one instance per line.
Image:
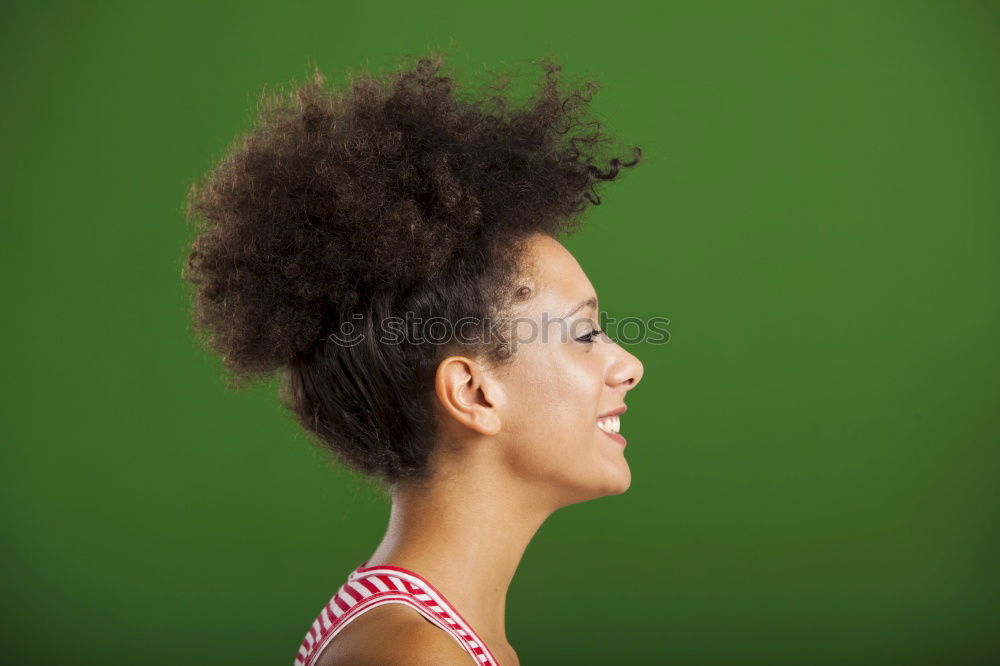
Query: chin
x=626, y=483
x=609, y=485
x=619, y=483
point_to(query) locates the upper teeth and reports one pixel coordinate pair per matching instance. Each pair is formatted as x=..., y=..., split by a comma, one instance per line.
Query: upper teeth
x=610, y=424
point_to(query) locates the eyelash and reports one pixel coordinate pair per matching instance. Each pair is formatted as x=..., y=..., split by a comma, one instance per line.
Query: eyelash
x=589, y=337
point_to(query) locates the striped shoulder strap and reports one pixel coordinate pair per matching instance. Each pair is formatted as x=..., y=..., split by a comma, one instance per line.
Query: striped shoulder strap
x=368, y=587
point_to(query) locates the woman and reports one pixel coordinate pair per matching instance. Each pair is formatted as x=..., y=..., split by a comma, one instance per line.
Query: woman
x=349, y=240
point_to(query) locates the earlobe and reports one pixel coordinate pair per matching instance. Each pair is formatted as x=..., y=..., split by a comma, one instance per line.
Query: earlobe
x=467, y=394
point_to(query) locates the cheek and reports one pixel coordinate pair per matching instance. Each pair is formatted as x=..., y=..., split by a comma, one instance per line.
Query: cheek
x=554, y=427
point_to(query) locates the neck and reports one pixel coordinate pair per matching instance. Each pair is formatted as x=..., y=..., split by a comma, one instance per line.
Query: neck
x=466, y=534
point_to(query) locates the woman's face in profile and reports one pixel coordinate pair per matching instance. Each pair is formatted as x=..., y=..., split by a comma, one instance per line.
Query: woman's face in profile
x=559, y=383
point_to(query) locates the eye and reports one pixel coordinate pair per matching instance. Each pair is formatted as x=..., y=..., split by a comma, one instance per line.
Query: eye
x=589, y=337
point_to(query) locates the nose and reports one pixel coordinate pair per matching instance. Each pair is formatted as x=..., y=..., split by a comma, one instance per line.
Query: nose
x=626, y=370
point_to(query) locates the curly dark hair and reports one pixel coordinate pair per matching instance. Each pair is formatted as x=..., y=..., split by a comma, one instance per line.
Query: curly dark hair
x=395, y=195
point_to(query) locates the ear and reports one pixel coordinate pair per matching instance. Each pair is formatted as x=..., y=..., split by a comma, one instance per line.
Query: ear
x=469, y=394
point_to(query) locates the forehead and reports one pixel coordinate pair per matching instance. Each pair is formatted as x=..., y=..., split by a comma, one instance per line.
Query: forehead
x=558, y=280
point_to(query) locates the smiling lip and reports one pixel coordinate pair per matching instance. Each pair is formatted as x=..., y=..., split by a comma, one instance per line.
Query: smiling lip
x=615, y=436
x=616, y=412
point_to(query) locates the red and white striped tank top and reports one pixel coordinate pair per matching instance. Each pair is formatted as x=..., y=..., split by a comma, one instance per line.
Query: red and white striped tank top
x=368, y=587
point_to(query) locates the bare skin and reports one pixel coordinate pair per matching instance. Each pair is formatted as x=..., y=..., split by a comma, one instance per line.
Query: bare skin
x=517, y=443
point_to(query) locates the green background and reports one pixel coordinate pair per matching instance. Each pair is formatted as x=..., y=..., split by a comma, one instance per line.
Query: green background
x=814, y=453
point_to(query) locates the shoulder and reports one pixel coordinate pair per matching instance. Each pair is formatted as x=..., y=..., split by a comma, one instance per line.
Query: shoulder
x=393, y=634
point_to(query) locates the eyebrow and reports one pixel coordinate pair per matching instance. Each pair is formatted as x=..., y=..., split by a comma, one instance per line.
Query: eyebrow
x=590, y=302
